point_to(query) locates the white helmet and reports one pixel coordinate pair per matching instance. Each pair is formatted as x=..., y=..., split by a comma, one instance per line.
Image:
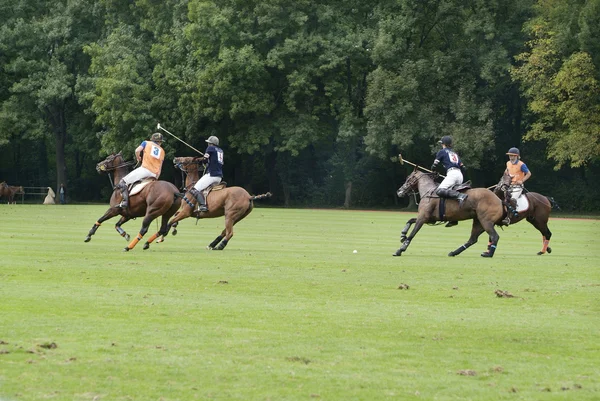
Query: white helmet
x=213, y=140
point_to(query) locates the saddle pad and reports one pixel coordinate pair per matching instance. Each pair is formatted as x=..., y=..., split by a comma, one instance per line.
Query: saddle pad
x=138, y=187
x=522, y=203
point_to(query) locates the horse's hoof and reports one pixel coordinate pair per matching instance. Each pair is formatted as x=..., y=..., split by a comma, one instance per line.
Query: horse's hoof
x=174, y=232
x=126, y=249
x=549, y=250
x=127, y=237
x=209, y=247
x=452, y=254
x=487, y=255
x=397, y=253
x=88, y=239
x=146, y=246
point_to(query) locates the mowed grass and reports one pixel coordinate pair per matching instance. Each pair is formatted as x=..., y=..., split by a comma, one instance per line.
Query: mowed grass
x=288, y=312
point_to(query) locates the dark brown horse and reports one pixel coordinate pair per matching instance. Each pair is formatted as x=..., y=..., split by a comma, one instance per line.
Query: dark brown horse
x=536, y=209
x=482, y=206
x=156, y=198
x=9, y=192
x=234, y=203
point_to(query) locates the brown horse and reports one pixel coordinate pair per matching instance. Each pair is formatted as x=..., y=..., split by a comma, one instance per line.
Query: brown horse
x=9, y=192
x=536, y=209
x=482, y=206
x=156, y=198
x=234, y=203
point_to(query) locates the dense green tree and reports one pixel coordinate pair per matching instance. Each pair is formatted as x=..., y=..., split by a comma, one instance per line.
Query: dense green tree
x=41, y=43
x=560, y=80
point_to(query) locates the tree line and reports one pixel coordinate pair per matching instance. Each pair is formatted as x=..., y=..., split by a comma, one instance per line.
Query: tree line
x=311, y=100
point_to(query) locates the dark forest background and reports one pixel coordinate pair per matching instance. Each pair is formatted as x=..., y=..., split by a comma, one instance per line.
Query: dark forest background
x=312, y=100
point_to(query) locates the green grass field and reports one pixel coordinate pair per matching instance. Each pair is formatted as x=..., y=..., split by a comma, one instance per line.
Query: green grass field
x=288, y=312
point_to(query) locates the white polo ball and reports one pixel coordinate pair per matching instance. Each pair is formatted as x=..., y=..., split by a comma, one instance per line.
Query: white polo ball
x=355, y=251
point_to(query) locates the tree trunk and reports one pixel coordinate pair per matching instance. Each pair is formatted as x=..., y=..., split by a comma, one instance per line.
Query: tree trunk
x=60, y=135
x=348, y=196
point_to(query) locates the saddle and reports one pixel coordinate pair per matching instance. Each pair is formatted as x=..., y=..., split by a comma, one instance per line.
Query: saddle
x=213, y=187
x=462, y=187
x=137, y=186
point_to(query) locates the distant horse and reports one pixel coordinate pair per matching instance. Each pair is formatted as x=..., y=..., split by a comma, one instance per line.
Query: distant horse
x=9, y=192
x=482, y=206
x=49, y=199
x=234, y=203
x=149, y=199
x=531, y=206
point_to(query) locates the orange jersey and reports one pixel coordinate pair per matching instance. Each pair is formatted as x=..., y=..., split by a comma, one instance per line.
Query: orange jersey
x=515, y=171
x=153, y=157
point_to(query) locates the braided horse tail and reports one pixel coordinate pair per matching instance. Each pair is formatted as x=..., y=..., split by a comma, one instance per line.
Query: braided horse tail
x=259, y=197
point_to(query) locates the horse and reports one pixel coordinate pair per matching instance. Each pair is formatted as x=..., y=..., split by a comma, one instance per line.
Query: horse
x=481, y=205
x=531, y=206
x=9, y=192
x=234, y=203
x=149, y=199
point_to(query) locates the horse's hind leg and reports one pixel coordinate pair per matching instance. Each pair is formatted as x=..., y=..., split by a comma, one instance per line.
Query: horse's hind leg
x=476, y=231
x=542, y=227
x=494, y=238
x=229, y=223
x=231, y=219
x=216, y=241
x=145, y=224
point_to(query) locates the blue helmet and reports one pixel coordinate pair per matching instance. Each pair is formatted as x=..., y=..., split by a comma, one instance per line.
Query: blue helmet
x=446, y=140
x=513, y=152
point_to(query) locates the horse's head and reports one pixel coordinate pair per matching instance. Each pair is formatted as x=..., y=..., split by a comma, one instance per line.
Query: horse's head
x=187, y=164
x=20, y=191
x=110, y=163
x=411, y=183
x=504, y=183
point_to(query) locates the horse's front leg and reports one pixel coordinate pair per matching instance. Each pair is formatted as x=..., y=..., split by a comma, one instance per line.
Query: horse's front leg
x=184, y=212
x=406, y=228
x=122, y=232
x=407, y=240
x=110, y=213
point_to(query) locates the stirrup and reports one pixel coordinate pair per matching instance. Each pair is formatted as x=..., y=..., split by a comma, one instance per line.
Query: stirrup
x=505, y=222
x=123, y=205
x=451, y=223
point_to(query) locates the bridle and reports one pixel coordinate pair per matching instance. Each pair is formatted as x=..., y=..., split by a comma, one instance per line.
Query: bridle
x=183, y=166
x=411, y=183
x=104, y=167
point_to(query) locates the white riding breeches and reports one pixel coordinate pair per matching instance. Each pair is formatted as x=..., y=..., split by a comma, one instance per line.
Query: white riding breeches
x=453, y=177
x=516, y=191
x=138, y=174
x=205, y=181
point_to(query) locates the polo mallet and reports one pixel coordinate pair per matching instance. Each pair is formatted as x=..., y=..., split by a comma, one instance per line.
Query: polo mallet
x=402, y=161
x=160, y=127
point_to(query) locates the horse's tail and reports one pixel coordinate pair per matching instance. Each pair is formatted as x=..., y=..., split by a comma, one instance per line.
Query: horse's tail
x=182, y=196
x=258, y=197
x=553, y=203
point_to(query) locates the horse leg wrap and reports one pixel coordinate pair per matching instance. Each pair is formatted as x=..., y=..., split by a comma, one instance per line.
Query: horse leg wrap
x=121, y=231
x=222, y=245
x=215, y=242
x=134, y=242
x=545, y=243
